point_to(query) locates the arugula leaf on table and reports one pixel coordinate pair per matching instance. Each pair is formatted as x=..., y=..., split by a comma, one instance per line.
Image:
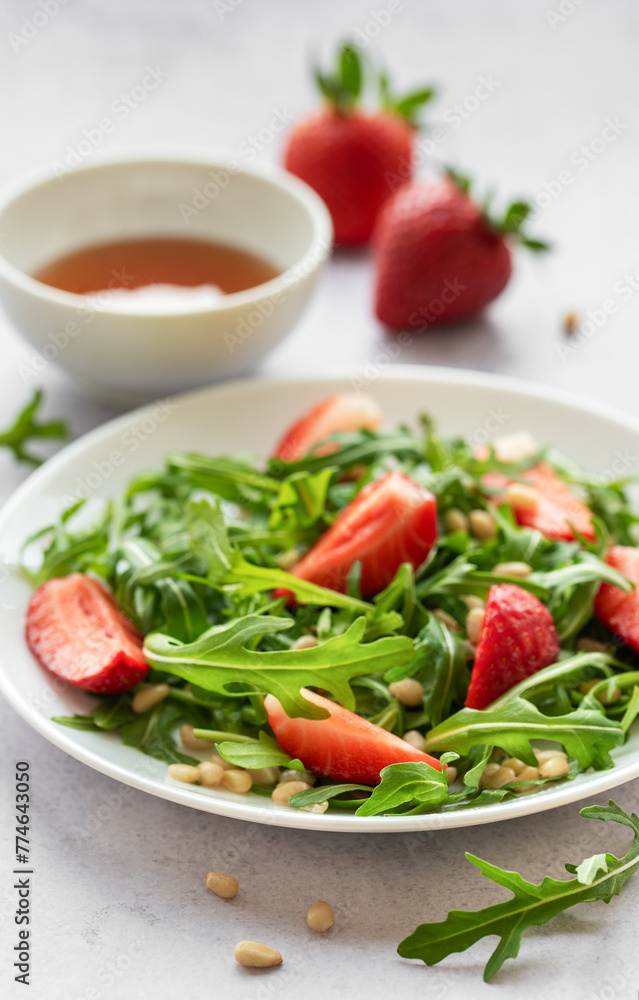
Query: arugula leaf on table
x=598, y=878
x=586, y=734
x=27, y=426
x=219, y=658
x=415, y=784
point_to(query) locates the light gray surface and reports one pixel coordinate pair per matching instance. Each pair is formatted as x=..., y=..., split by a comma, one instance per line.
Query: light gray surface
x=119, y=874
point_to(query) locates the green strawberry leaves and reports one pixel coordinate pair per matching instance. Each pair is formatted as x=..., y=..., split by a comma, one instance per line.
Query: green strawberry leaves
x=510, y=222
x=598, y=878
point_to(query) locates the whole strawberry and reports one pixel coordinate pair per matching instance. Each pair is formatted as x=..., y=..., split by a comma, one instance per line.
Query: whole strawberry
x=439, y=256
x=354, y=160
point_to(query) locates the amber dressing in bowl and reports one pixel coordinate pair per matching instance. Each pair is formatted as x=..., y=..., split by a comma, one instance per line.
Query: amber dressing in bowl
x=158, y=260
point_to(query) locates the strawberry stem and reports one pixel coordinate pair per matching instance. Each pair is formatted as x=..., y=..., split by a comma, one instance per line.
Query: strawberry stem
x=510, y=223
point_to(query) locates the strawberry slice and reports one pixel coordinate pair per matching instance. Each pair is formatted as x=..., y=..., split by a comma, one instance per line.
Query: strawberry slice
x=557, y=506
x=517, y=639
x=346, y=412
x=617, y=610
x=344, y=746
x=77, y=631
x=391, y=521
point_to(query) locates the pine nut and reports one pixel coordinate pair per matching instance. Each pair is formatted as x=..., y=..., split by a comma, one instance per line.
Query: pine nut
x=320, y=916
x=495, y=779
x=149, y=697
x=482, y=524
x=603, y=696
x=554, y=767
x=518, y=569
x=522, y=497
x=446, y=619
x=290, y=774
x=474, y=624
x=316, y=807
x=237, y=781
x=264, y=775
x=305, y=642
x=527, y=774
x=516, y=764
x=288, y=559
x=184, y=772
x=210, y=774
x=543, y=755
x=451, y=774
x=455, y=520
x=254, y=955
x=222, y=885
x=283, y=792
x=473, y=602
x=586, y=645
x=409, y=691
x=191, y=742
x=224, y=764
x=415, y=739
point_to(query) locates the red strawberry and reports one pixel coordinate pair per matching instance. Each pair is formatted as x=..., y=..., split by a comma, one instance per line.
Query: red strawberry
x=438, y=256
x=76, y=630
x=354, y=160
x=617, y=610
x=557, y=506
x=347, y=412
x=517, y=639
x=345, y=746
x=391, y=521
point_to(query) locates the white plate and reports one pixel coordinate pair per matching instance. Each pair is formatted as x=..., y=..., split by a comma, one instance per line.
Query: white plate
x=250, y=416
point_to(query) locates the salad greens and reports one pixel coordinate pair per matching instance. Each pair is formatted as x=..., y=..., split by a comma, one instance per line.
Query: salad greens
x=597, y=878
x=197, y=555
x=28, y=426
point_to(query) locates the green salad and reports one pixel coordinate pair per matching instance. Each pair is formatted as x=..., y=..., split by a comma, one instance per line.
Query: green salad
x=202, y=555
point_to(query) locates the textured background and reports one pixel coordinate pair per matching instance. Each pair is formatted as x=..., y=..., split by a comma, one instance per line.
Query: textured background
x=120, y=908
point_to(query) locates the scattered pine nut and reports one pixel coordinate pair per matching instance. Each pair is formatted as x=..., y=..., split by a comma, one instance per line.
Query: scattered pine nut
x=290, y=774
x=497, y=778
x=474, y=624
x=237, y=781
x=315, y=807
x=455, y=520
x=254, y=955
x=224, y=764
x=409, y=692
x=149, y=697
x=554, y=767
x=518, y=569
x=520, y=496
x=304, y=642
x=320, y=916
x=543, y=755
x=191, y=742
x=224, y=886
x=482, y=524
x=516, y=764
x=571, y=322
x=603, y=696
x=210, y=774
x=586, y=645
x=415, y=738
x=446, y=619
x=528, y=774
x=473, y=602
x=184, y=772
x=451, y=774
x=283, y=792
x=264, y=775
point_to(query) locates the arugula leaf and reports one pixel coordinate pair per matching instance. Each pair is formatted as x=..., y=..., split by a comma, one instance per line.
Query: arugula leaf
x=264, y=752
x=152, y=732
x=598, y=878
x=586, y=734
x=83, y=722
x=27, y=426
x=324, y=793
x=219, y=658
x=301, y=501
x=414, y=783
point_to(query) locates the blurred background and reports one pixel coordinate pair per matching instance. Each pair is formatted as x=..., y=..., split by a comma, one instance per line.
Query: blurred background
x=560, y=73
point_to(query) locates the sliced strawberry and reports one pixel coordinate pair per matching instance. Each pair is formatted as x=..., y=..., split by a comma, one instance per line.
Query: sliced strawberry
x=76, y=630
x=557, y=506
x=346, y=412
x=617, y=610
x=517, y=639
x=390, y=522
x=345, y=746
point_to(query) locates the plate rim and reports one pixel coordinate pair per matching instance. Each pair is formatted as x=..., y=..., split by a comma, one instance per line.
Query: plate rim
x=232, y=806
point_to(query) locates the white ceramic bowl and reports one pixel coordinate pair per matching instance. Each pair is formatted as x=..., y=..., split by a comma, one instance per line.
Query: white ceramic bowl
x=133, y=354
